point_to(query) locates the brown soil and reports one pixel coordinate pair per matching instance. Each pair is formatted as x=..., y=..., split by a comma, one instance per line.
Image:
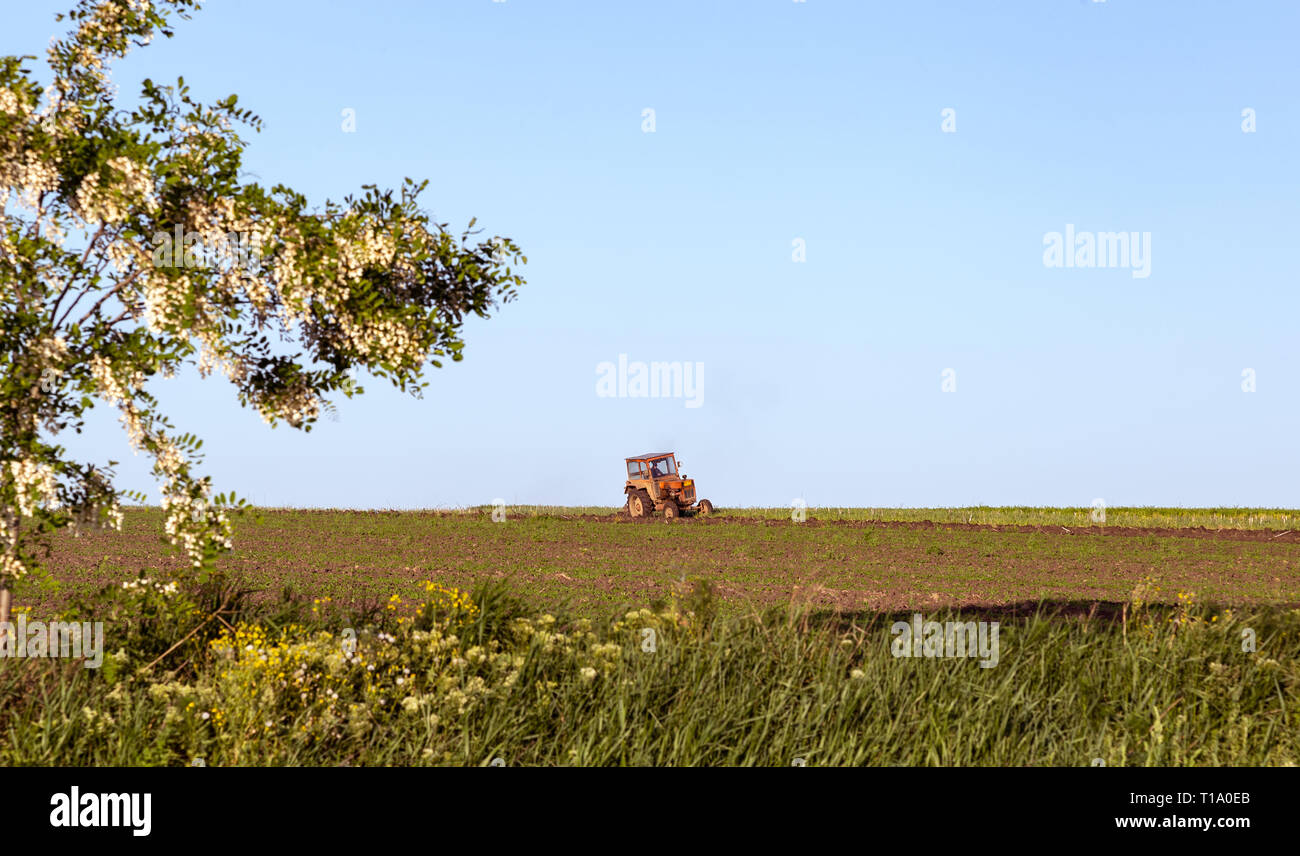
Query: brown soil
x=606, y=561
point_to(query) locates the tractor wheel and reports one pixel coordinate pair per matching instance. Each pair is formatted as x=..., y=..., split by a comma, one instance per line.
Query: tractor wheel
x=671, y=511
x=706, y=508
x=639, y=504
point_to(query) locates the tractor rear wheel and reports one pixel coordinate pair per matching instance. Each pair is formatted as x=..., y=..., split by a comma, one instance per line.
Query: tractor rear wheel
x=706, y=508
x=639, y=504
x=671, y=511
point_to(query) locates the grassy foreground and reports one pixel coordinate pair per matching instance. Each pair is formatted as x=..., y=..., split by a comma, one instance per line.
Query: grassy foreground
x=471, y=680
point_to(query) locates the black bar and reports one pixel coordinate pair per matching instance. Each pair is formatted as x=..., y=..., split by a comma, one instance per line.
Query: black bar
x=240, y=806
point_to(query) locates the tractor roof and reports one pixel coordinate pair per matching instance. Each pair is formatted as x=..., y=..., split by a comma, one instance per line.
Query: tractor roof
x=647, y=456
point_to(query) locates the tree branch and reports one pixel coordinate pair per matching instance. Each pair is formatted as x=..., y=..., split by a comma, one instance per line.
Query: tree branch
x=54, y=311
x=117, y=287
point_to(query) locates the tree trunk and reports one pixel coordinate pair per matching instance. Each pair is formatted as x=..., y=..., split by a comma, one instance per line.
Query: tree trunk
x=10, y=526
x=4, y=606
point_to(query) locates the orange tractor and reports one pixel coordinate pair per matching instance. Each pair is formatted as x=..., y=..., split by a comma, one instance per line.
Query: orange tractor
x=654, y=484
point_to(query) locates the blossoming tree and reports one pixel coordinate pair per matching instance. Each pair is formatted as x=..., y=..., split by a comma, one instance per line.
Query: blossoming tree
x=130, y=246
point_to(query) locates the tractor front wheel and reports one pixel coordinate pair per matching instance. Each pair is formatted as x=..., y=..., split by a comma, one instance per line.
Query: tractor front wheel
x=671, y=511
x=706, y=508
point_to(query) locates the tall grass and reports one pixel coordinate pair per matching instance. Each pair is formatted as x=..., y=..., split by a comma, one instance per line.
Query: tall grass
x=471, y=681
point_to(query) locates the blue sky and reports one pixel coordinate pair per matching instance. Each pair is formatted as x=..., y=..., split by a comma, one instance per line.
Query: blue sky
x=776, y=121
